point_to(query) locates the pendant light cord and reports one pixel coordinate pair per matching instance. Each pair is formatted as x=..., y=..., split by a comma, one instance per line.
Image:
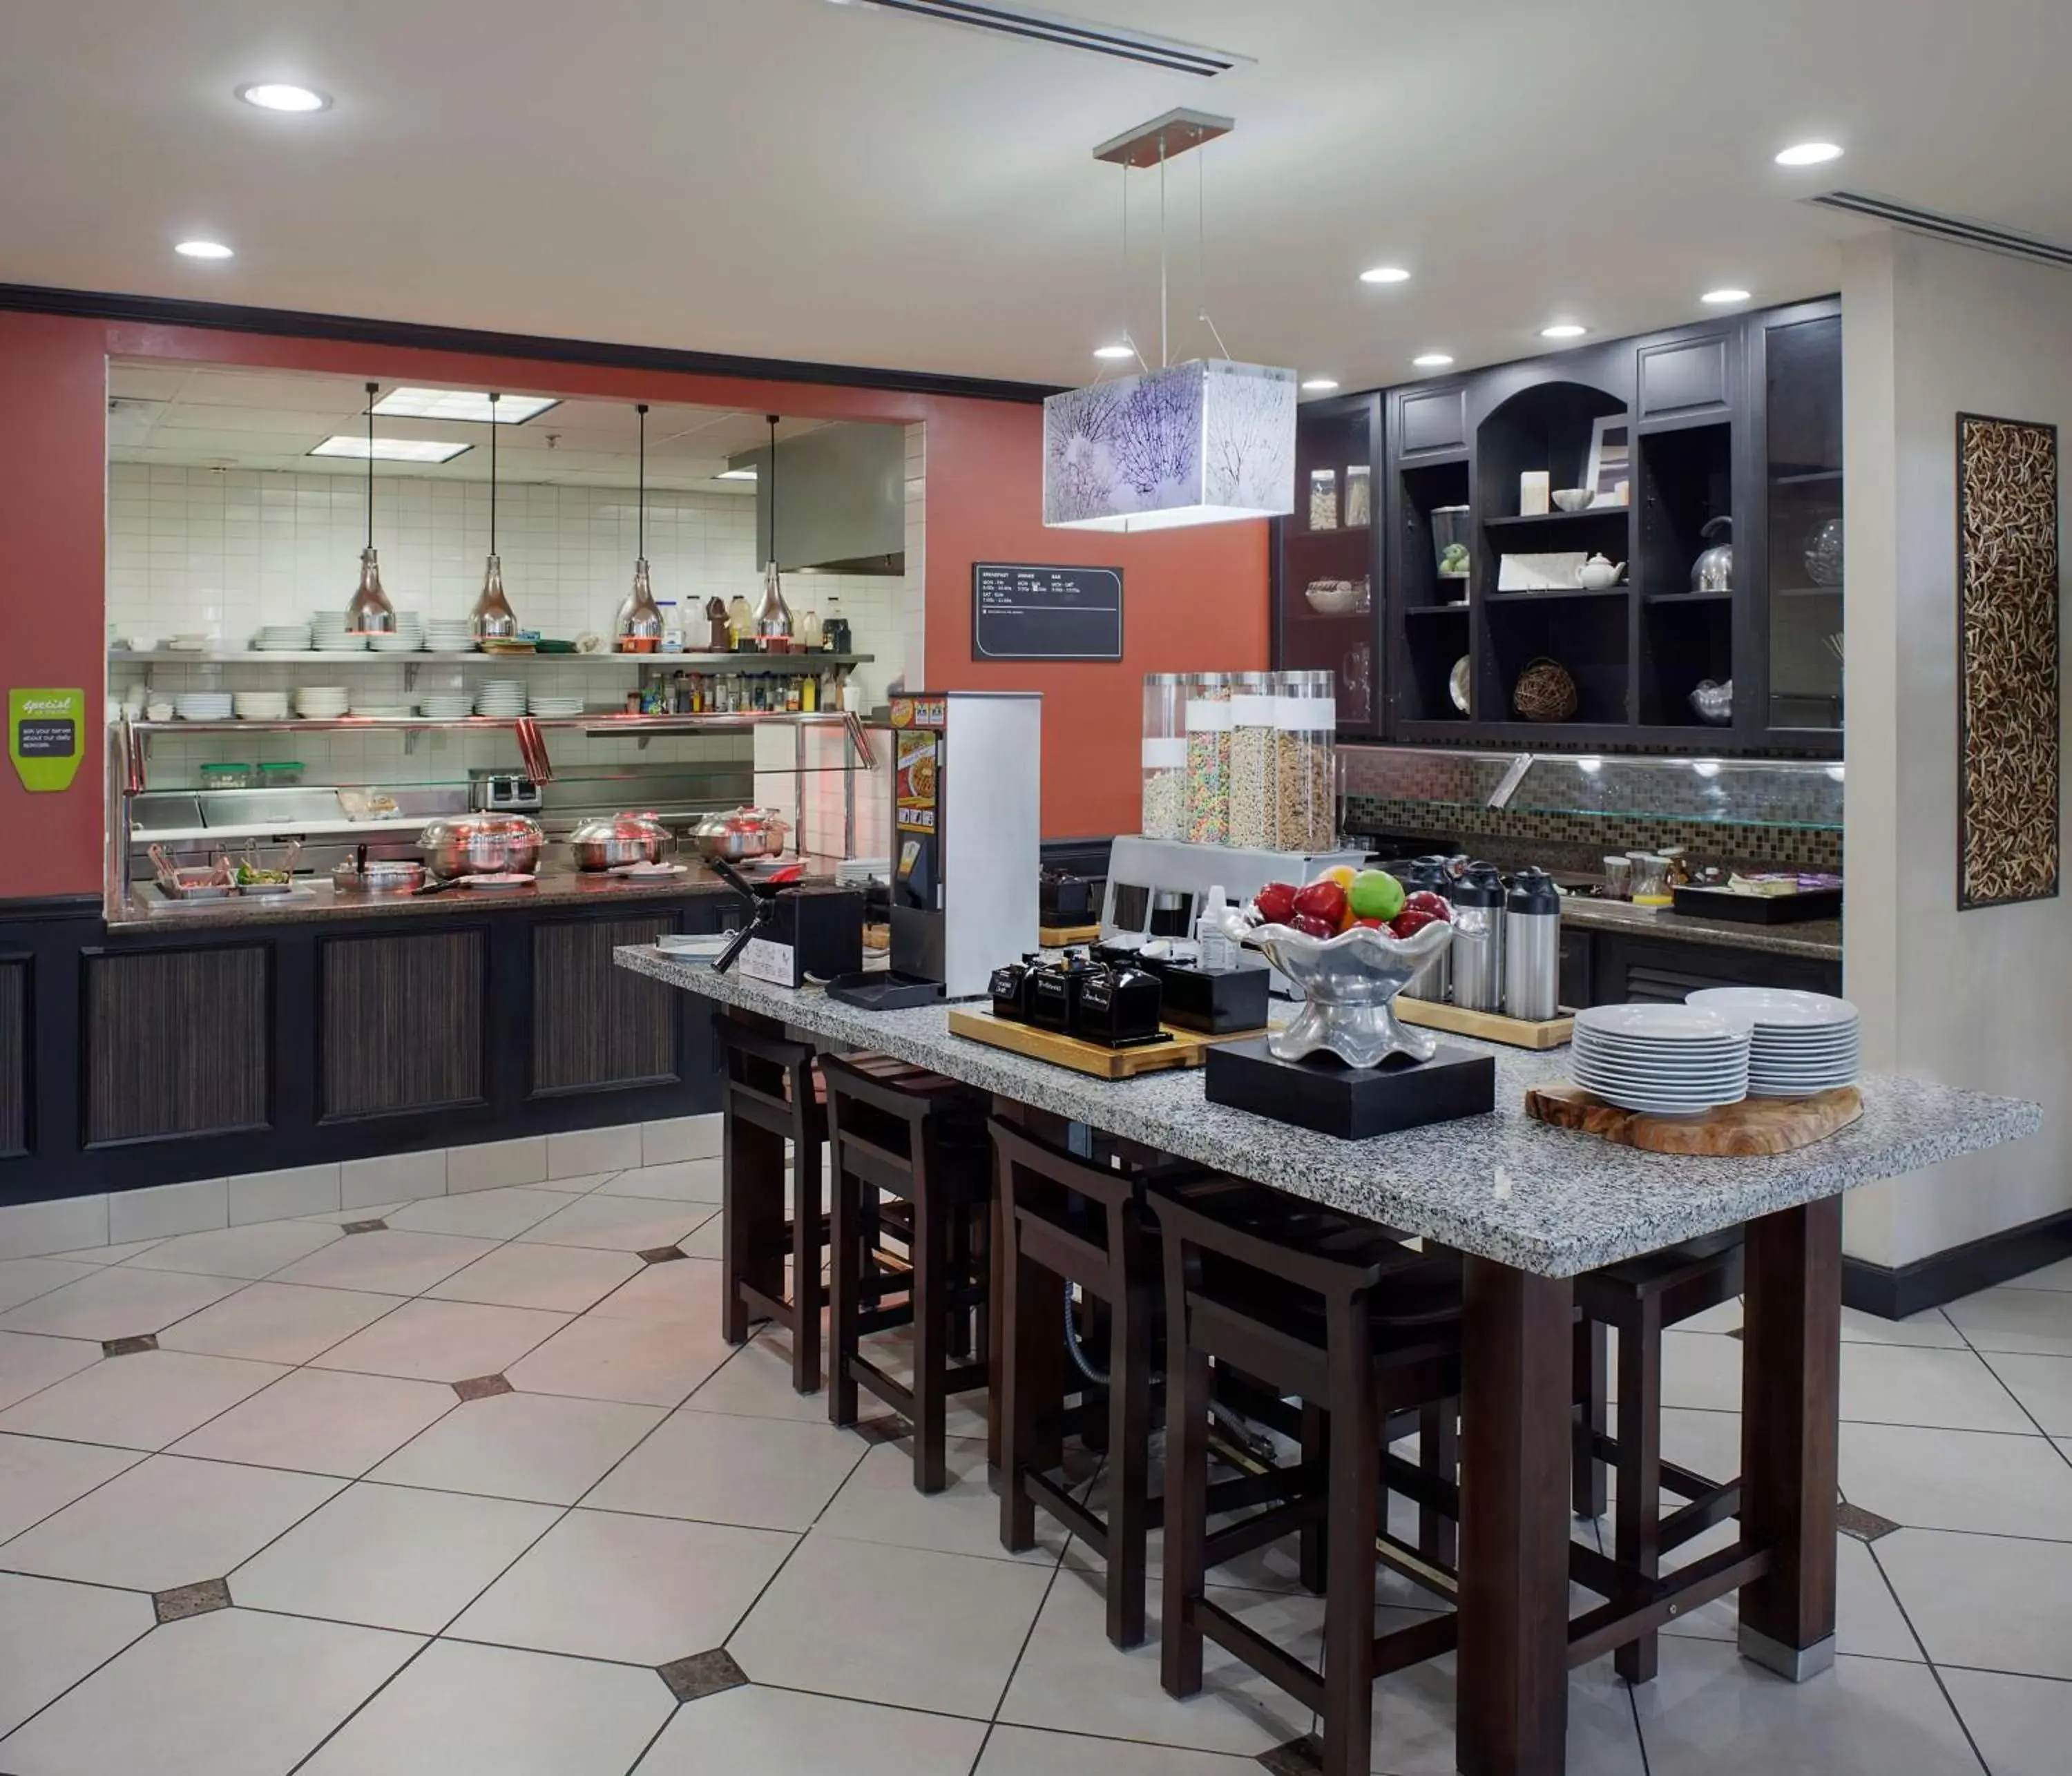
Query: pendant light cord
x=1202, y=244
x=770, y=555
x=493, y=400
x=371, y=388
x=640, y=522
x=1165, y=354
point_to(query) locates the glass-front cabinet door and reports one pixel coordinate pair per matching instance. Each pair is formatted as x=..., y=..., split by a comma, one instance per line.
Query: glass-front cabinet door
x=1327, y=592
x=1801, y=443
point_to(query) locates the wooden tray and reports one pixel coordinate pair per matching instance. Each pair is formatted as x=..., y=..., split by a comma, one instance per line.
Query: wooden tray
x=1490, y=1026
x=1755, y=1125
x=1188, y=1048
x=1058, y=937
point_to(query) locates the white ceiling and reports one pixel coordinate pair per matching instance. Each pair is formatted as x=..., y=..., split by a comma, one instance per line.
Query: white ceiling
x=247, y=419
x=800, y=179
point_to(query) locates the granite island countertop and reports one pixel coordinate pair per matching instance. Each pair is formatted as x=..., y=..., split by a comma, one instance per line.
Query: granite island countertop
x=1502, y=1186
x=1818, y=939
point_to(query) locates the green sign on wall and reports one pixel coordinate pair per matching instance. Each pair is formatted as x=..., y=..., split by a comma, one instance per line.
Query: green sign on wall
x=44, y=731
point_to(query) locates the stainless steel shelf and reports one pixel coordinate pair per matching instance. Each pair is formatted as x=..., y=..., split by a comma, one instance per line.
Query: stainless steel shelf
x=360, y=656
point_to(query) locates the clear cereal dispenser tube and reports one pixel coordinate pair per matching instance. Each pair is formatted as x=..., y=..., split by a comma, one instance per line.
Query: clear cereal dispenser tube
x=1208, y=757
x=1306, y=737
x=1254, y=766
x=1164, y=755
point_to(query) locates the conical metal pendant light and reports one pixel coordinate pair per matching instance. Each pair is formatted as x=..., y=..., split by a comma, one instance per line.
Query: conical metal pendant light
x=773, y=615
x=370, y=613
x=492, y=619
x=639, y=619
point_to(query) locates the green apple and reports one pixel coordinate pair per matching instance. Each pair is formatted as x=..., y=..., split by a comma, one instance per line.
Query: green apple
x=1376, y=894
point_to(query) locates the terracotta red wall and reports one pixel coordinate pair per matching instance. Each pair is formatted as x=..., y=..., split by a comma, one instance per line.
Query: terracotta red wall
x=1193, y=599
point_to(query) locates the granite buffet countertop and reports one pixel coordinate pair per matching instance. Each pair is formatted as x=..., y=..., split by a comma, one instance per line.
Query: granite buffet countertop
x=1502, y=1186
x=561, y=887
x=1818, y=939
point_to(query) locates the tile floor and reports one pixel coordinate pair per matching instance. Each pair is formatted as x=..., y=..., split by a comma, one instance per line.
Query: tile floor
x=479, y=1492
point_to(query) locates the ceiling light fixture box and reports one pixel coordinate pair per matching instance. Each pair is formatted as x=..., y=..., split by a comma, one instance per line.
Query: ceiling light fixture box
x=1201, y=442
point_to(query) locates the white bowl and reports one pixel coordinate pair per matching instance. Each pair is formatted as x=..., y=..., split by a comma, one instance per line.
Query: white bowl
x=1336, y=597
x=1572, y=499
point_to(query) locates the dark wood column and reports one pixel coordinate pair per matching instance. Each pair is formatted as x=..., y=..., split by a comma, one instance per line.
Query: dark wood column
x=1515, y=1440
x=1791, y=1408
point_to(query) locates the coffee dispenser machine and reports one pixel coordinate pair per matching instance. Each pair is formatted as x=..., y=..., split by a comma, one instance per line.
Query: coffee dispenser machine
x=967, y=800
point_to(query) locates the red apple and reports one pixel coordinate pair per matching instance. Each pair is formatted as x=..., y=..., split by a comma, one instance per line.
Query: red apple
x=1323, y=900
x=1275, y=904
x=1413, y=919
x=1425, y=900
x=1372, y=924
x=1311, y=926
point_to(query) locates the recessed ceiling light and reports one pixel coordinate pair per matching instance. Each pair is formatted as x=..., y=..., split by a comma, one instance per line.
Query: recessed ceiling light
x=1809, y=154
x=1432, y=360
x=463, y=404
x=279, y=95
x=1563, y=330
x=1721, y=298
x=1319, y=385
x=735, y=474
x=1385, y=274
x=1117, y=351
x=391, y=450
x=203, y=249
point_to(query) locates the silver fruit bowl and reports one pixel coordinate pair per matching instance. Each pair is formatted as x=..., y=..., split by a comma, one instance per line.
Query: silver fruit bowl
x=1348, y=984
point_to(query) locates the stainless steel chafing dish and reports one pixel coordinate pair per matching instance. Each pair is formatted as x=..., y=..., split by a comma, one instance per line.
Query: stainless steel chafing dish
x=746, y=832
x=611, y=839
x=479, y=844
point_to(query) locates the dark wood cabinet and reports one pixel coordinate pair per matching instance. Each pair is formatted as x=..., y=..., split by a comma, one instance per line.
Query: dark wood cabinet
x=1613, y=969
x=15, y=1086
x=1725, y=434
x=1326, y=584
x=401, y=1022
x=177, y=1043
x=594, y=1024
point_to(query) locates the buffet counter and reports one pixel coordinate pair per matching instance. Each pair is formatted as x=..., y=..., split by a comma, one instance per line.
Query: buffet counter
x=1815, y=939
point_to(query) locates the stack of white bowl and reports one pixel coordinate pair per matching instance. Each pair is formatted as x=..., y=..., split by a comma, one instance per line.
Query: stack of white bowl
x=204, y=706
x=446, y=705
x=261, y=705
x=328, y=634
x=505, y=696
x=449, y=635
x=1665, y=1060
x=1802, y=1042
x=321, y=702
x=282, y=638
x=537, y=704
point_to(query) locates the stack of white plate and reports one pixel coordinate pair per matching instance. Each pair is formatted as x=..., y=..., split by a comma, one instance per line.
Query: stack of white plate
x=336, y=639
x=399, y=640
x=1667, y=1060
x=446, y=705
x=321, y=702
x=538, y=704
x=1803, y=1043
x=505, y=696
x=189, y=644
x=282, y=638
x=261, y=705
x=383, y=712
x=449, y=635
x=203, y=705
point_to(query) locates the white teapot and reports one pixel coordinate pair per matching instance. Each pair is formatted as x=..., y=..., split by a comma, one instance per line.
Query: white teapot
x=1596, y=573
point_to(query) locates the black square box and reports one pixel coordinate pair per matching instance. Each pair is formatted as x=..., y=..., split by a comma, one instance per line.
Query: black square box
x=1352, y=1103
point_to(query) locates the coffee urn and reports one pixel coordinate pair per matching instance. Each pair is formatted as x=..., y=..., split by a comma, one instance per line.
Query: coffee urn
x=1435, y=980
x=1532, y=947
x=1477, y=945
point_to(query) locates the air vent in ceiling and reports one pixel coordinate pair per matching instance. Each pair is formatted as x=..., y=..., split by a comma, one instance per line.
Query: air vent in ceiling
x=1043, y=27
x=1947, y=228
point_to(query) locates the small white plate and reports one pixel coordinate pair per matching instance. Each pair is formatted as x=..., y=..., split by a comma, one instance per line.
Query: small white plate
x=1662, y=1023
x=1781, y=1007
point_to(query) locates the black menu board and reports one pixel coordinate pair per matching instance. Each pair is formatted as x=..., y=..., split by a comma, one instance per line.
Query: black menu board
x=1025, y=612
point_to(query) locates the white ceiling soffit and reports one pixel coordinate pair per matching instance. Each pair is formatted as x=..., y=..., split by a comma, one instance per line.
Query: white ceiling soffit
x=1065, y=33
x=790, y=178
x=181, y=416
x=1946, y=228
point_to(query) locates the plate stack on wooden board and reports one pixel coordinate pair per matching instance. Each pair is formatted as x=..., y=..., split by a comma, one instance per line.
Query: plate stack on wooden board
x=1667, y=1060
x=1801, y=1043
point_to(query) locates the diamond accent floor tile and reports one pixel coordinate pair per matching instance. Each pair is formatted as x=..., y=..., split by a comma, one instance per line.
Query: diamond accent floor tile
x=1866, y=1526
x=375, y=1225
x=129, y=1347
x=183, y=1600
x=701, y=1674
x=482, y=1386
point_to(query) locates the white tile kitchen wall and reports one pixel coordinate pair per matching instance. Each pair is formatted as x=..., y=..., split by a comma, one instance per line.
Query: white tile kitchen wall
x=221, y=552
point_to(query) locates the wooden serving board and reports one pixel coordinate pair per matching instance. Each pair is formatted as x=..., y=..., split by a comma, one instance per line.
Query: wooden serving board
x=1188, y=1048
x=1755, y=1125
x=1490, y=1026
x=1058, y=937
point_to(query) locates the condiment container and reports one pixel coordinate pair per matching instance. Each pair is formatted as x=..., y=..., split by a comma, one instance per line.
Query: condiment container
x=1164, y=755
x=1254, y=763
x=1052, y=991
x=1117, y=1007
x=1208, y=757
x=1651, y=881
x=1532, y=947
x=1305, y=720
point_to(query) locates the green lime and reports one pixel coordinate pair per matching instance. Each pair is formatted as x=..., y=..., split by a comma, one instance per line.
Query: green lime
x=1376, y=894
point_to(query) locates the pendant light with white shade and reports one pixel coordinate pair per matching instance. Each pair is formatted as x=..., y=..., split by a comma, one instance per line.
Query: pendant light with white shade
x=773, y=615
x=492, y=619
x=369, y=612
x=639, y=618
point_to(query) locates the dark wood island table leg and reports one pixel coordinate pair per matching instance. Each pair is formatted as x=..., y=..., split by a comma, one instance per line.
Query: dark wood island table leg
x=1791, y=1408
x=1515, y=1468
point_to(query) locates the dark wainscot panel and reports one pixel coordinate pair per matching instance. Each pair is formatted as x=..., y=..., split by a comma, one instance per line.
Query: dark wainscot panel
x=14, y=1049
x=595, y=1025
x=176, y=1042
x=402, y=1022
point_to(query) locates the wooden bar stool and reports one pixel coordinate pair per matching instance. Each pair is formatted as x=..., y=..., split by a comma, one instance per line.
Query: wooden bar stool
x=920, y=1139
x=1640, y=1299
x=773, y=1096
x=1365, y=1333
x=1068, y=1220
